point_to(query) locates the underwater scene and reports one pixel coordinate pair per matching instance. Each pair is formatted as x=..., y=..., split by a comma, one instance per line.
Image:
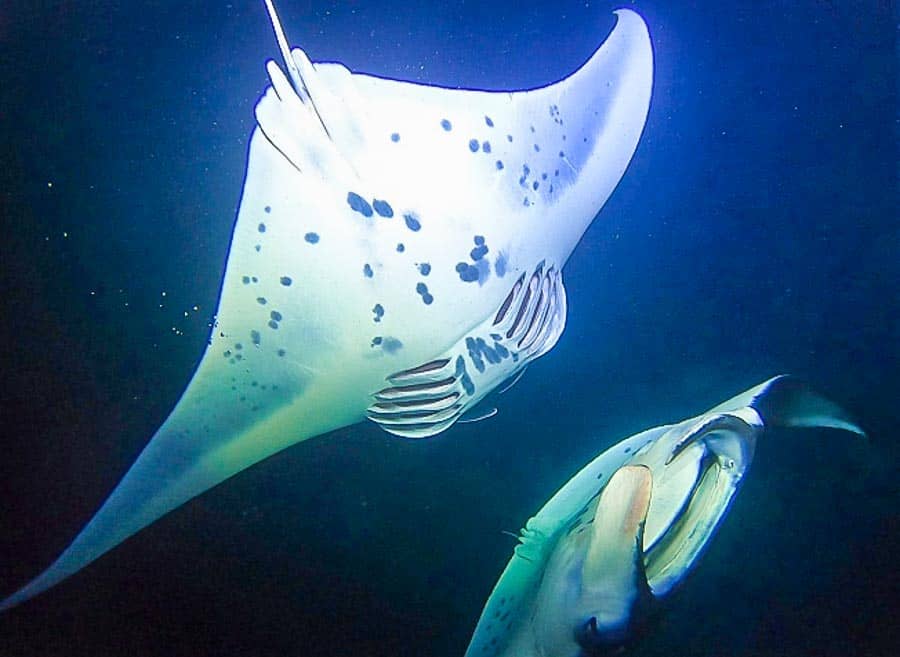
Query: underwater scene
x=552, y=329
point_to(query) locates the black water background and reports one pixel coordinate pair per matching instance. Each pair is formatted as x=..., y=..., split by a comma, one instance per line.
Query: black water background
x=755, y=232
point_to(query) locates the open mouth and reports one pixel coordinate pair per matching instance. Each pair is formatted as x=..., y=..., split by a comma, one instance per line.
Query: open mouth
x=696, y=472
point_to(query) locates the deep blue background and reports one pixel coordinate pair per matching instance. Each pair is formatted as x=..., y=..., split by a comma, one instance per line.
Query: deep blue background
x=755, y=232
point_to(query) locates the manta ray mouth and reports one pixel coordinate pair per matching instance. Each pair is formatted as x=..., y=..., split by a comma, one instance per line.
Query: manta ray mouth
x=695, y=478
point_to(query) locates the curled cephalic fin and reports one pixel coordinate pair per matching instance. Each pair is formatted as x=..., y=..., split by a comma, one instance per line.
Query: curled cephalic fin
x=787, y=401
x=427, y=399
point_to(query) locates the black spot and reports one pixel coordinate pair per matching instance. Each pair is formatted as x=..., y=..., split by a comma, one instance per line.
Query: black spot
x=281, y=353
x=391, y=345
x=467, y=273
x=499, y=165
x=273, y=324
x=245, y=280
x=261, y=228
x=286, y=281
x=275, y=315
x=367, y=270
x=261, y=301
x=473, y=145
x=412, y=222
x=401, y=248
x=359, y=204
x=490, y=123
x=486, y=146
x=255, y=337
x=267, y=209
x=424, y=269
x=383, y=208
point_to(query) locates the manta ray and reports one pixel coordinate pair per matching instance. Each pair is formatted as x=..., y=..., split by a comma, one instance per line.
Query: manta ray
x=397, y=255
x=625, y=531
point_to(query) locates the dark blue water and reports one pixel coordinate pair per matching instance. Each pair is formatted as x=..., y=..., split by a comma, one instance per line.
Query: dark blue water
x=755, y=232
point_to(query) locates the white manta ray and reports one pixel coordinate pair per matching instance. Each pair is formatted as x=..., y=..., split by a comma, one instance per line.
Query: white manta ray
x=397, y=254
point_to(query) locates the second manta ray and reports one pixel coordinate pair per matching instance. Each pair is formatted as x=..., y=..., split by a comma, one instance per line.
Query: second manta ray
x=397, y=255
x=624, y=531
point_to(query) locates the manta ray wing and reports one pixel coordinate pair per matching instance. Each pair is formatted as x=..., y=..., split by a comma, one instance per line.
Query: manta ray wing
x=379, y=222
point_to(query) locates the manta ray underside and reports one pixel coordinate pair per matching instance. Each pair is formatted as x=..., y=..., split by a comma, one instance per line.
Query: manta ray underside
x=397, y=255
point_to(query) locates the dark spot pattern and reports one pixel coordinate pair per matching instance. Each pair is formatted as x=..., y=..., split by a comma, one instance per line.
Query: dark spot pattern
x=367, y=270
x=273, y=324
x=261, y=301
x=391, y=345
x=275, y=315
x=499, y=165
x=267, y=209
x=312, y=238
x=359, y=204
x=422, y=291
x=480, y=351
x=255, y=337
x=473, y=145
x=378, y=311
x=281, y=353
x=412, y=221
x=245, y=280
x=376, y=340
x=464, y=377
x=424, y=268
x=383, y=208
x=467, y=273
x=261, y=228
x=400, y=248
x=478, y=252
x=286, y=281
x=446, y=125
x=500, y=265
x=486, y=146
x=488, y=121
